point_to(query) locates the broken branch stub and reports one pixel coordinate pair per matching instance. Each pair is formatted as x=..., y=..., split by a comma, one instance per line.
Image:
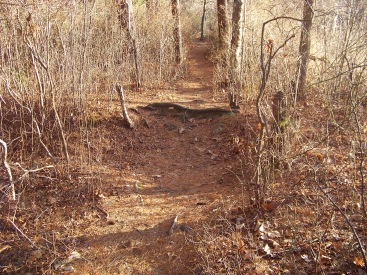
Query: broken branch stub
x=125, y=114
x=7, y=167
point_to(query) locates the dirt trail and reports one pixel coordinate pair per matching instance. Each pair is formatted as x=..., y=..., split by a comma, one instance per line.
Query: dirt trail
x=177, y=167
x=197, y=85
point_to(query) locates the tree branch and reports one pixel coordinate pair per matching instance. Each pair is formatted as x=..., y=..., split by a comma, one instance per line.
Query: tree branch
x=360, y=245
x=7, y=167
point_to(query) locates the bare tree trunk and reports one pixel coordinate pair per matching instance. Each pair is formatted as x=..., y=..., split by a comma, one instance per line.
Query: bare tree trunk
x=236, y=41
x=223, y=37
x=222, y=25
x=304, y=48
x=125, y=18
x=177, y=30
x=203, y=21
x=234, y=71
x=125, y=14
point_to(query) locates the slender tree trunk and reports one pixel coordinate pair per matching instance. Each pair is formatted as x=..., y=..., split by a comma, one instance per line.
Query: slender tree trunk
x=304, y=48
x=234, y=71
x=125, y=18
x=125, y=14
x=222, y=25
x=177, y=30
x=237, y=38
x=203, y=21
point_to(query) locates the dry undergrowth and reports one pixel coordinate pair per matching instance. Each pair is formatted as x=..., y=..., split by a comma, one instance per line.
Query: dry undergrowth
x=298, y=228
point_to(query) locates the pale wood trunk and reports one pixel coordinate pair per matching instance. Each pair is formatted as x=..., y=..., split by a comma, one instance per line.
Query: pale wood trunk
x=234, y=71
x=7, y=167
x=223, y=32
x=125, y=114
x=177, y=36
x=125, y=18
x=304, y=48
x=237, y=38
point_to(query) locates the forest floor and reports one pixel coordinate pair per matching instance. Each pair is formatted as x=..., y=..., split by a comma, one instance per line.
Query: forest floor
x=111, y=210
x=116, y=212
x=172, y=166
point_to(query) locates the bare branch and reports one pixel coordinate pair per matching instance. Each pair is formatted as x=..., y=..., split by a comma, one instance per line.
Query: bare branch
x=7, y=167
x=360, y=245
x=21, y=233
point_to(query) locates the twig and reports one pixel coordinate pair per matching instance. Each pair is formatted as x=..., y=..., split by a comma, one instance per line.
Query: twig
x=265, y=73
x=7, y=168
x=21, y=232
x=296, y=247
x=15, y=4
x=26, y=172
x=52, y=90
x=42, y=143
x=360, y=245
x=361, y=162
x=170, y=232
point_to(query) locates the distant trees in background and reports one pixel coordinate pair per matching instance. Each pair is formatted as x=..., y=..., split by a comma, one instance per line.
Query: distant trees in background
x=64, y=53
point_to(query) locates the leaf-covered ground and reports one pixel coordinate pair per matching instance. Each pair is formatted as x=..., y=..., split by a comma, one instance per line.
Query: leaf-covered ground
x=111, y=211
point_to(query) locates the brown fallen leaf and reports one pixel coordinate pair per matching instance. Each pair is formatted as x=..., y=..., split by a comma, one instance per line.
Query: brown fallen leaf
x=358, y=261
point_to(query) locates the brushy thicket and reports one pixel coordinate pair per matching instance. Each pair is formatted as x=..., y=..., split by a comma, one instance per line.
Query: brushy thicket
x=314, y=166
x=56, y=57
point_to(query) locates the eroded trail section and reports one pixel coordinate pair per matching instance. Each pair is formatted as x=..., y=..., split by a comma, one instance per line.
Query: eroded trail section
x=173, y=165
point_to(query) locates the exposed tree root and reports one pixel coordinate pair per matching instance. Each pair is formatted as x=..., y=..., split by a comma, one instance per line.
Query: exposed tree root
x=191, y=112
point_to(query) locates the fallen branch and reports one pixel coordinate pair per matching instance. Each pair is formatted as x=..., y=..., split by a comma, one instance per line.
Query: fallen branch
x=21, y=233
x=26, y=172
x=7, y=168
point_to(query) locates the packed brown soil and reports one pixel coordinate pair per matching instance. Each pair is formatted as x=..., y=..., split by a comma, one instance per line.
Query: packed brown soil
x=116, y=211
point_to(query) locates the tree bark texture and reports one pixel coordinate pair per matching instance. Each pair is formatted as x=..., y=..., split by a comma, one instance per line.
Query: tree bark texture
x=222, y=25
x=124, y=15
x=237, y=38
x=203, y=21
x=125, y=18
x=304, y=48
x=177, y=36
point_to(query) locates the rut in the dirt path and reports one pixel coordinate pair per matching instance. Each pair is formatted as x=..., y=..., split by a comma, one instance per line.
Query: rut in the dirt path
x=178, y=166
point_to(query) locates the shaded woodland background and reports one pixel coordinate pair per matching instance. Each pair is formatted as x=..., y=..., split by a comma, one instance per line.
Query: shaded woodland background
x=301, y=160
